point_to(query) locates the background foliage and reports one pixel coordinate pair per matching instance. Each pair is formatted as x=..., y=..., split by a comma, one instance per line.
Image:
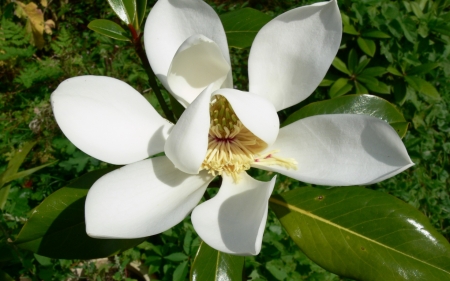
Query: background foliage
x=398, y=50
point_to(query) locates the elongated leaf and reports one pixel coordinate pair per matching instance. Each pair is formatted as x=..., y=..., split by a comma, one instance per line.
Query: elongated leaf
x=363, y=62
x=109, y=28
x=210, y=264
x=376, y=34
x=399, y=91
x=119, y=8
x=57, y=228
x=392, y=70
x=367, y=46
x=423, y=68
x=352, y=61
x=363, y=234
x=340, y=65
x=374, y=71
x=423, y=87
x=25, y=173
x=350, y=29
x=241, y=26
x=340, y=88
x=16, y=161
x=4, y=192
x=130, y=9
x=354, y=104
x=141, y=6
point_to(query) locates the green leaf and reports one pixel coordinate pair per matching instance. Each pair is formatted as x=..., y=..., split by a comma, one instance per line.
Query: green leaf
x=352, y=61
x=399, y=90
x=416, y=9
x=141, y=6
x=340, y=65
x=241, y=26
x=400, y=127
x=423, y=68
x=376, y=34
x=351, y=104
x=4, y=192
x=367, y=46
x=374, y=71
x=16, y=161
x=56, y=228
x=326, y=82
x=350, y=29
x=392, y=70
x=210, y=264
x=176, y=257
x=180, y=272
x=5, y=276
x=366, y=79
x=25, y=173
x=340, y=88
x=360, y=89
x=363, y=234
x=123, y=9
x=378, y=87
x=423, y=87
x=363, y=62
x=109, y=28
x=130, y=8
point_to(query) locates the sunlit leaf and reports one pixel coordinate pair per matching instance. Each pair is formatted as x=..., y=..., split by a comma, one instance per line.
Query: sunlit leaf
x=368, y=235
x=350, y=29
x=118, y=7
x=241, y=26
x=56, y=228
x=210, y=264
x=340, y=88
x=353, y=104
x=367, y=46
x=109, y=28
x=376, y=34
x=340, y=65
x=141, y=6
x=423, y=87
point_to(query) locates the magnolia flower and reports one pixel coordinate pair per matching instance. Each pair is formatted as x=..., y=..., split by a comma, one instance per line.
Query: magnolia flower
x=223, y=131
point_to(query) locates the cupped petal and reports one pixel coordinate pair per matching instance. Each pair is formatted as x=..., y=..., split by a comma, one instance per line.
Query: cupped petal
x=170, y=23
x=142, y=199
x=255, y=112
x=197, y=64
x=108, y=119
x=340, y=150
x=187, y=143
x=292, y=53
x=234, y=220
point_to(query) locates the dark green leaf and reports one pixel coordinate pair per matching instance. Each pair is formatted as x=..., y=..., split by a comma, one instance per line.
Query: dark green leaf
x=416, y=9
x=340, y=65
x=210, y=264
x=176, y=257
x=400, y=127
x=130, y=8
x=16, y=161
x=367, y=46
x=399, y=90
x=423, y=87
x=374, y=71
x=4, y=192
x=363, y=234
x=5, y=276
x=394, y=71
x=141, y=6
x=56, y=228
x=423, y=68
x=360, y=89
x=180, y=272
x=241, y=26
x=109, y=28
x=25, y=173
x=351, y=104
x=378, y=87
x=352, y=61
x=340, y=88
x=376, y=34
x=363, y=62
x=119, y=8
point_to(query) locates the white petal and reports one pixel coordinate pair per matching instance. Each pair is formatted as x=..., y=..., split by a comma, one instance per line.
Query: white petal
x=340, y=150
x=142, y=199
x=234, y=220
x=197, y=63
x=108, y=119
x=292, y=53
x=255, y=112
x=187, y=143
x=170, y=23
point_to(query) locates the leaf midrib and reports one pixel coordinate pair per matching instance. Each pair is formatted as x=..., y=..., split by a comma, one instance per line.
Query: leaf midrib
x=313, y=216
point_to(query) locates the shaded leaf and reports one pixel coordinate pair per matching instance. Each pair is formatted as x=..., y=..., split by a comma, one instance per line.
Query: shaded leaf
x=364, y=61
x=56, y=228
x=350, y=29
x=423, y=68
x=109, y=28
x=369, y=235
x=360, y=89
x=367, y=46
x=5, y=276
x=423, y=87
x=17, y=160
x=399, y=90
x=210, y=264
x=340, y=88
x=4, y=192
x=180, y=272
x=352, y=61
x=352, y=104
x=141, y=6
x=241, y=26
x=394, y=71
x=25, y=173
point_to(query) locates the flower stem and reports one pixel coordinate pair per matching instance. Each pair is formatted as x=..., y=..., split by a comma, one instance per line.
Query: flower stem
x=151, y=75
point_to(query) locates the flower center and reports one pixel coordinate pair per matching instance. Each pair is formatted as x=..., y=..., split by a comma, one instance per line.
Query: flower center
x=232, y=148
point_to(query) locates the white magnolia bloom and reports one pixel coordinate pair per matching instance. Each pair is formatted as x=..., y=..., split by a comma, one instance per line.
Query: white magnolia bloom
x=223, y=131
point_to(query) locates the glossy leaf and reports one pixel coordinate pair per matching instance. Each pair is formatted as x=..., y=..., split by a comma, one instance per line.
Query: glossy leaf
x=340, y=65
x=210, y=264
x=108, y=28
x=354, y=104
x=368, y=235
x=241, y=26
x=340, y=88
x=56, y=228
x=374, y=71
x=367, y=46
x=119, y=8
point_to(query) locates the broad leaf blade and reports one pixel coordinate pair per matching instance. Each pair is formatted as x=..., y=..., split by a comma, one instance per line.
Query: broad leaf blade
x=367, y=46
x=241, y=26
x=354, y=104
x=119, y=8
x=57, y=228
x=363, y=234
x=141, y=6
x=109, y=28
x=210, y=264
